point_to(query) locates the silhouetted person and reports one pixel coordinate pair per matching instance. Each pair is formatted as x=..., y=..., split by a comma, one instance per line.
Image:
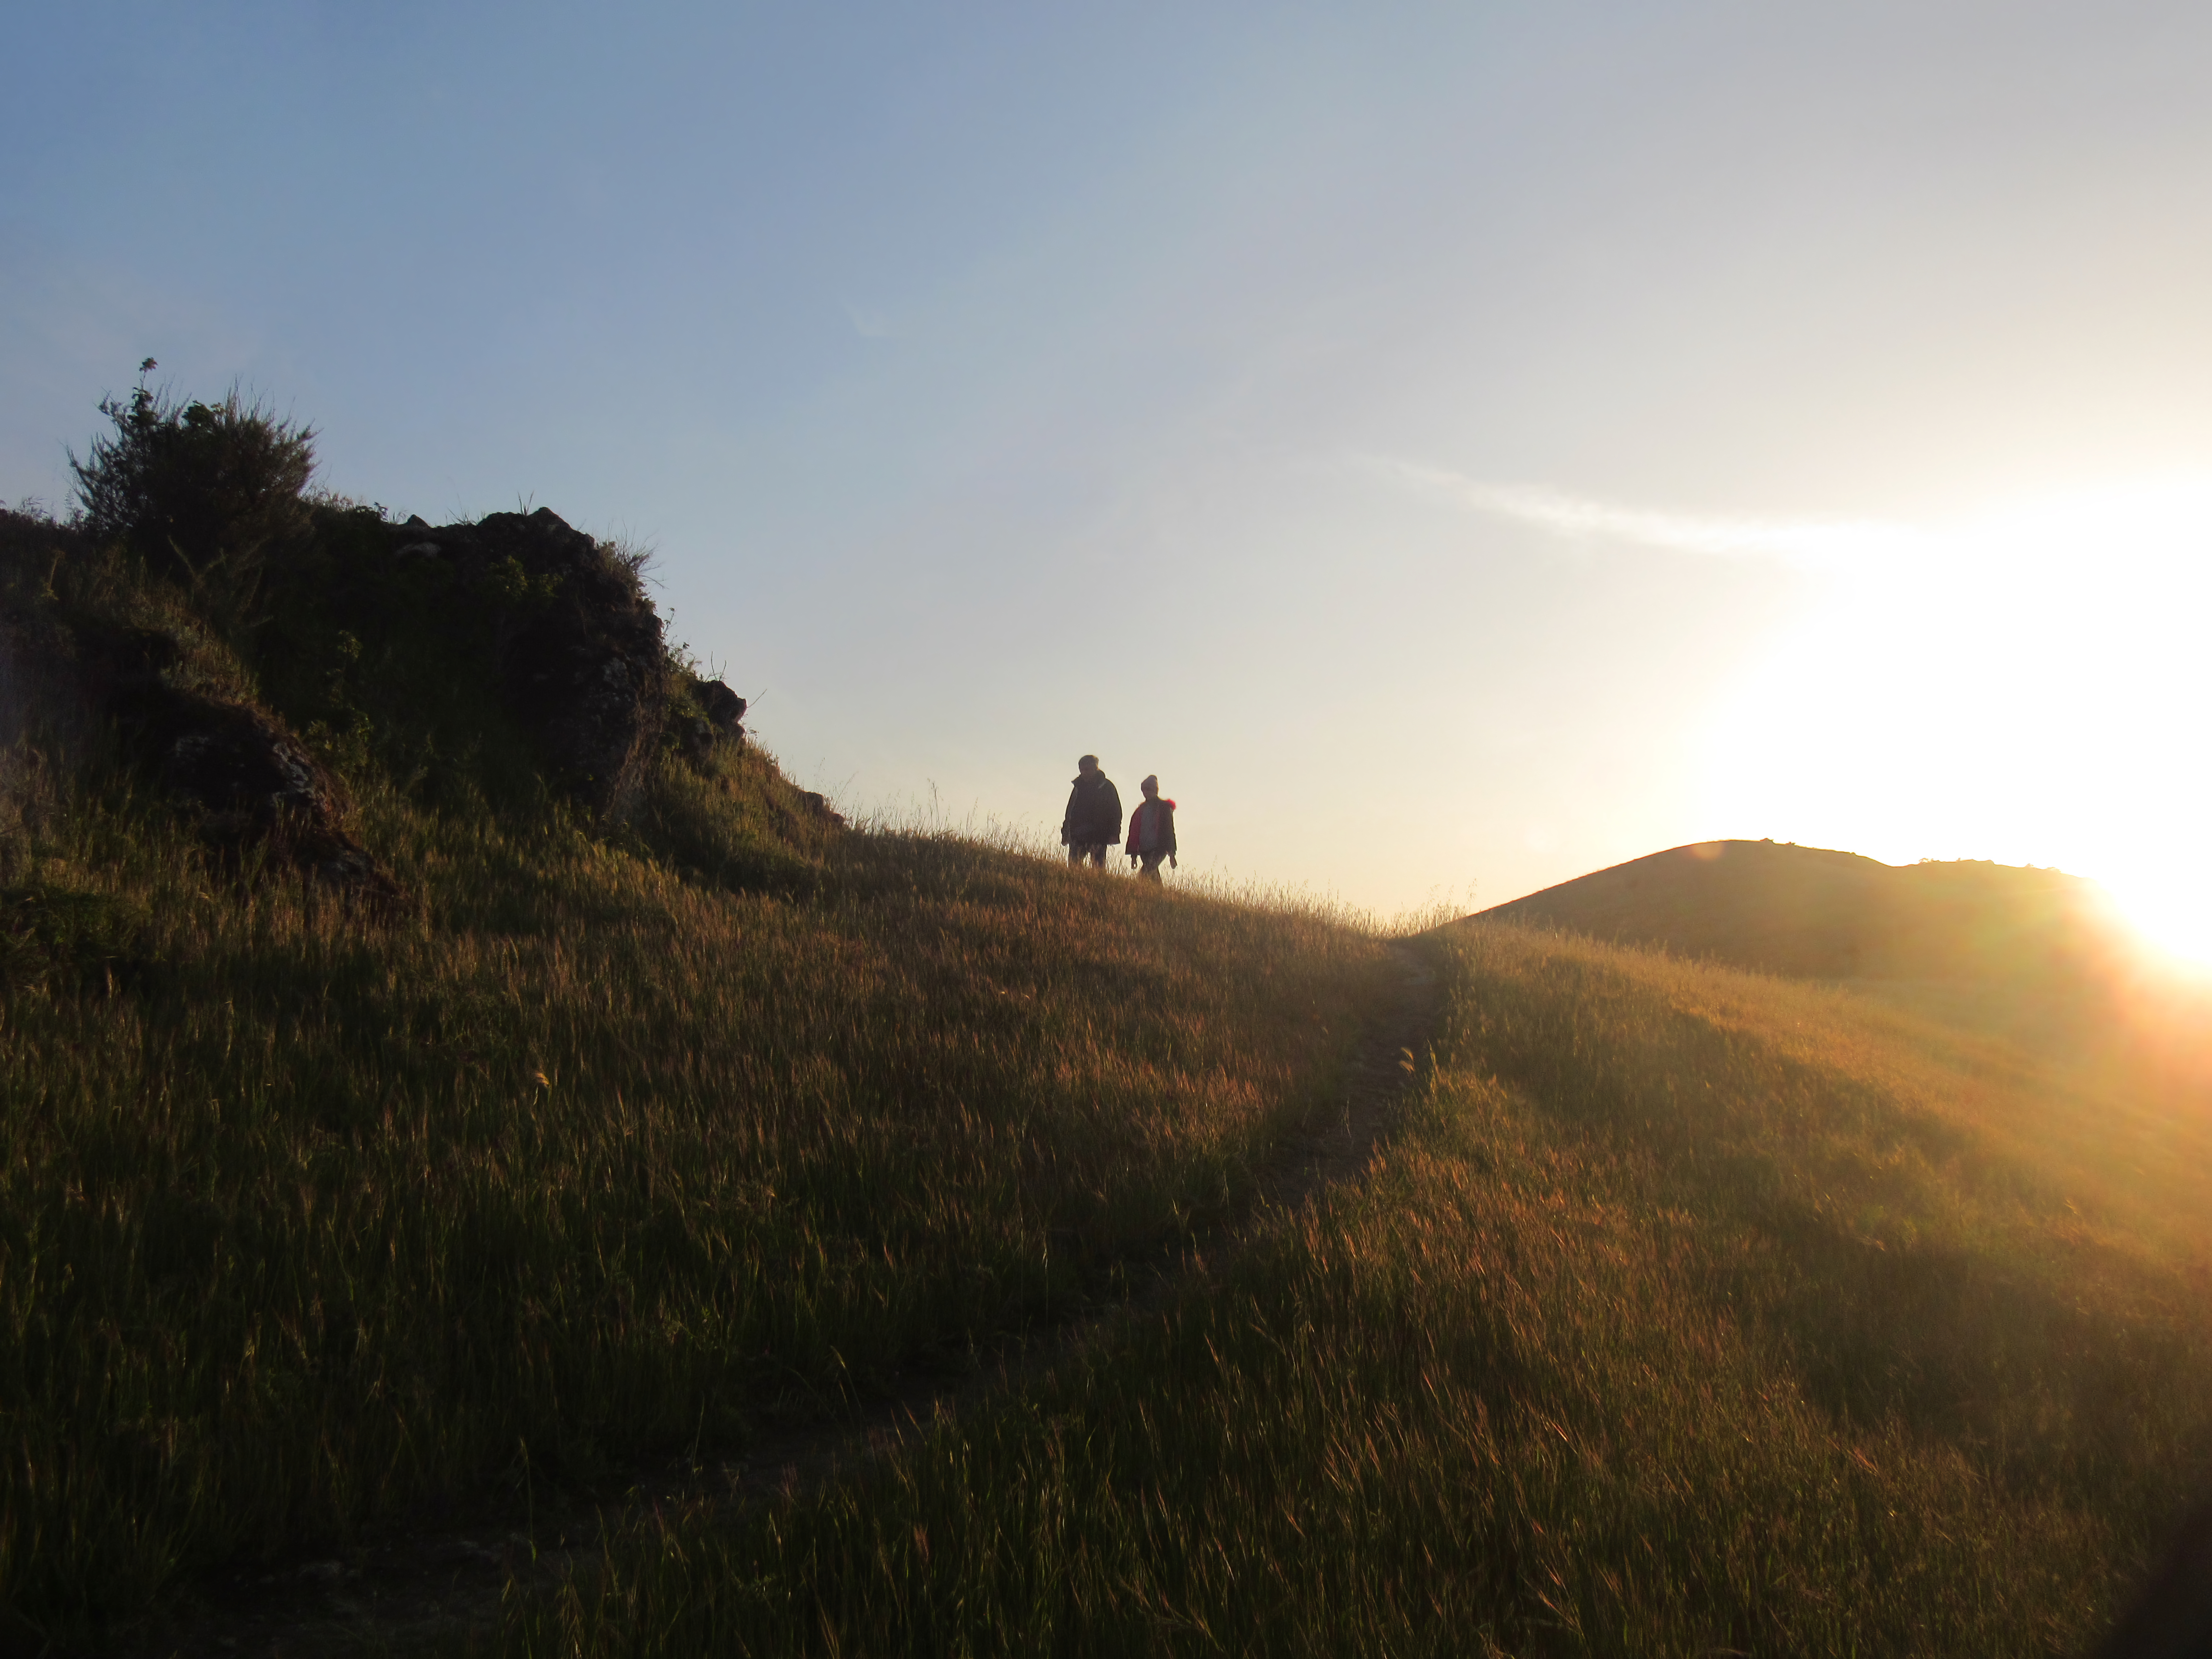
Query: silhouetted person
x=1093, y=818
x=1151, y=832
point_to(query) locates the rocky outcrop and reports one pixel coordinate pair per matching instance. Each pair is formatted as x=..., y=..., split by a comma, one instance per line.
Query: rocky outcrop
x=579, y=661
x=252, y=785
x=724, y=708
x=713, y=714
x=255, y=785
x=492, y=659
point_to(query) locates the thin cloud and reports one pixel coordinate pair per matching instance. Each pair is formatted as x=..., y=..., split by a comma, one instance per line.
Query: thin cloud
x=1826, y=546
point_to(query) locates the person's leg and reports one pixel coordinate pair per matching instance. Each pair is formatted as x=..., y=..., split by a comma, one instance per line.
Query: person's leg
x=1076, y=850
x=1151, y=871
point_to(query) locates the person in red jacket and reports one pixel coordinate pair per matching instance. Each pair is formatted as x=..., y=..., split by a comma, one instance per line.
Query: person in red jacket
x=1151, y=832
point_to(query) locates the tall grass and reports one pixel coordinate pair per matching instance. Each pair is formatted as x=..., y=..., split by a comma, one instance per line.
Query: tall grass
x=1693, y=1313
x=611, y=1148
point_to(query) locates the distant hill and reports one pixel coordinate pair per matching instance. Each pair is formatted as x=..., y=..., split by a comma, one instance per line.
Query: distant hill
x=1811, y=912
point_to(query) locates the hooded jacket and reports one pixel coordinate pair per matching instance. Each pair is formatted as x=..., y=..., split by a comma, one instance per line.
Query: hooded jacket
x=1152, y=828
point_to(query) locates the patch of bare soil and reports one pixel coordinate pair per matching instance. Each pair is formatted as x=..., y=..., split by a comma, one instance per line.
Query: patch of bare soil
x=437, y=1578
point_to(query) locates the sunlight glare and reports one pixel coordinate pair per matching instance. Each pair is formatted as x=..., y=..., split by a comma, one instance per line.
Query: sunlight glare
x=2030, y=685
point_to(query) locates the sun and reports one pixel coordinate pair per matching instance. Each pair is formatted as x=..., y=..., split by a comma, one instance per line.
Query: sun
x=2171, y=910
x=2031, y=684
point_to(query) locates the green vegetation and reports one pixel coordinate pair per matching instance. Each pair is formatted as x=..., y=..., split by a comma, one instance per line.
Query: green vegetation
x=303, y=1220
x=1693, y=1312
x=625, y=1136
x=581, y=1094
x=204, y=493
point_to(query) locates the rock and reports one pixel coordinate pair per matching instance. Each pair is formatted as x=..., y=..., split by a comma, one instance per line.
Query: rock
x=721, y=719
x=235, y=763
x=721, y=706
x=253, y=784
x=819, y=807
x=580, y=665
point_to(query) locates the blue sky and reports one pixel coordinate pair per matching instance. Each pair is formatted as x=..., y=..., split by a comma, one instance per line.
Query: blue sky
x=1455, y=447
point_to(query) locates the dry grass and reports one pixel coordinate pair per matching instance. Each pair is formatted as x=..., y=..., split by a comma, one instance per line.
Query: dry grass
x=614, y=1149
x=1695, y=1313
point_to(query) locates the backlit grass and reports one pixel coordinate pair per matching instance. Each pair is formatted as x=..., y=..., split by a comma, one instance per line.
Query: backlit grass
x=611, y=1147
x=1693, y=1312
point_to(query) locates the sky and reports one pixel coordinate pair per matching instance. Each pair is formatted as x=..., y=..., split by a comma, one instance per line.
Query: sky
x=1454, y=447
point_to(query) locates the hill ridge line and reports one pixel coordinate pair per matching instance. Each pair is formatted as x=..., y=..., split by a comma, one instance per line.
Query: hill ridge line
x=1822, y=913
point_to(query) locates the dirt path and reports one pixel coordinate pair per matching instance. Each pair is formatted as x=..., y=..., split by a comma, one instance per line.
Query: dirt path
x=408, y=1589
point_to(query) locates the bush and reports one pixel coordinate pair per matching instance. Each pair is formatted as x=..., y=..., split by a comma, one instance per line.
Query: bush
x=202, y=492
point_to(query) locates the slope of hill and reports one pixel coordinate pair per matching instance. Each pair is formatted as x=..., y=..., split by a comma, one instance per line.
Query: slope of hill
x=1693, y=1312
x=1806, y=911
x=443, y=1061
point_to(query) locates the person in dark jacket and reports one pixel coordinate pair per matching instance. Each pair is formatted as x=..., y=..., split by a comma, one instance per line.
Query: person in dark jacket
x=1151, y=832
x=1093, y=817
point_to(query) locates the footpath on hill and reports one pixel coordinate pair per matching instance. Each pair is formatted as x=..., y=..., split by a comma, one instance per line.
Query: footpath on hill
x=453, y=1075
x=1684, y=1312
x=412, y=1587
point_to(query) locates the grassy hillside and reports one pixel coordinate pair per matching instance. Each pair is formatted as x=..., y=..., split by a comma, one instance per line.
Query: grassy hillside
x=427, y=1121
x=305, y=1220
x=1693, y=1312
x=443, y=1061
x=1806, y=910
